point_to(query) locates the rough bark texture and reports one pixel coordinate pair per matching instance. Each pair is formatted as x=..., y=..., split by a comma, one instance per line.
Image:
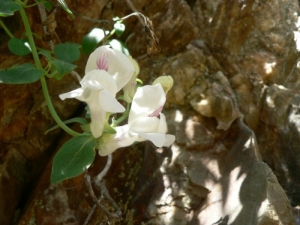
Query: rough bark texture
x=234, y=110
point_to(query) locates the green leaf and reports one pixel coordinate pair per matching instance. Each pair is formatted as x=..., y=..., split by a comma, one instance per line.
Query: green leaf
x=48, y=5
x=7, y=8
x=59, y=67
x=79, y=120
x=66, y=8
x=62, y=68
x=120, y=28
x=45, y=53
x=91, y=40
x=19, y=46
x=20, y=74
x=68, y=52
x=73, y=157
x=119, y=45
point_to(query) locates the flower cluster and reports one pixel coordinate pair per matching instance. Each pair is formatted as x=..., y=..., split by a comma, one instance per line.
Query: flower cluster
x=106, y=73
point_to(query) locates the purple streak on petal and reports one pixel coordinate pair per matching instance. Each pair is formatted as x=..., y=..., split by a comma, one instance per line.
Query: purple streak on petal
x=102, y=61
x=156, y=111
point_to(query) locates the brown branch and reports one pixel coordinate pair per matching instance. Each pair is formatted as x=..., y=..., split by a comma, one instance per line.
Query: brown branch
x=49, y=25
x=105, y=170
x=152, y=41
x=104, y=193
x=87, y=179
x=44, y=17
x=82, y=16
x=131, y=6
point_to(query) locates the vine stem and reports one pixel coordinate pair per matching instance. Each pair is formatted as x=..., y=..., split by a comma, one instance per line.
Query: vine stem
x=43, y=80
x=52, y=110
x=6, y=29
x=25, y=2
x=123, y=117
x=28, y=6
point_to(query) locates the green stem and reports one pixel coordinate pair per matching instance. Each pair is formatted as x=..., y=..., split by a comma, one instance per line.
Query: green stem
x=6, y=29
x=37, y=36
x=43, y=49
x=111, y=33
x=25, y=3
x=43, y=80
x=28, y=6
x=123, y=117
x=52, y=110
x=30, y=37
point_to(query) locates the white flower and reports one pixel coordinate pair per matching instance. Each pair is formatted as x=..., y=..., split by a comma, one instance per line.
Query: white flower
x=98, y=90
x=114, y=62
x=107, y=71
x=143, y=122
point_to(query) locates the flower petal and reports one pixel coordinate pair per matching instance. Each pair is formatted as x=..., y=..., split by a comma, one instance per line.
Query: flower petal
x=147, y=100
x=98, y=59
x=162, y=128
x=97, y=118
x=152, y=129
x=114, y=62
x=145, y=125
x=109, y=103
x=110, y=143
x=169, y=140
x=88, y=82
x=72, y=94
x=156, y=138
x=99, y=79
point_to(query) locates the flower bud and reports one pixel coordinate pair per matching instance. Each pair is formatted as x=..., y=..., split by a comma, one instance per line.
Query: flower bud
x=165, y=81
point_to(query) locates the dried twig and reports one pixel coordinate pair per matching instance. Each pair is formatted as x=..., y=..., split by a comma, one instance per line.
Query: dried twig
x=102, y=22
x=100, y=185
x=98, y=180
x=49, y=25
x=104, y=193
x=82, y=16
x=90, y=214
x=152, y=41
x=105, y=170
x=87, y=179
x=107, y=196
x=76, y=75
x=44, y=17
x=131, y=6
